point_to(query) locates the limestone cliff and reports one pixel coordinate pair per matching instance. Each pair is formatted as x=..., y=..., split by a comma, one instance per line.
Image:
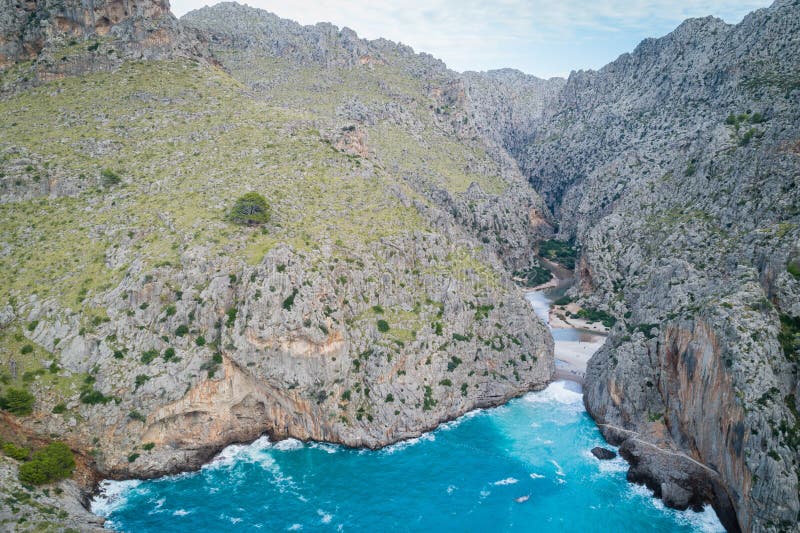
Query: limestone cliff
x=676, y=169
x=377, y=301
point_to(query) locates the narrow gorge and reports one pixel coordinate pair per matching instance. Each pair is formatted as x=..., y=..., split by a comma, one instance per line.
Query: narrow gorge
x=407, y=210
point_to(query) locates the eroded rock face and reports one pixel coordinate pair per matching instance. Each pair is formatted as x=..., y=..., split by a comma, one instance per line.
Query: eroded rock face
x=507, y=105
x=72, y=37
x=316, y=368
x=670, y=423
x=675, y=169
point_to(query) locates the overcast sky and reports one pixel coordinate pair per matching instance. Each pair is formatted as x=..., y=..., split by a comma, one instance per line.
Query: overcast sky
x=541, y=37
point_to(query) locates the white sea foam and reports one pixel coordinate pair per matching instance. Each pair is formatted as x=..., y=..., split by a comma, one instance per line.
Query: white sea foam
x=257, y=453
x=430, y=436
x=559, y=470
x=564, y=392
x=451, y=489
x=288, y=444
x=534, y=475
x=403, y=444
x=113, y=496
x=295, y=527
x=458, y=421
x=324, y=517
x=705, y=521
x=617, y=464
x=252, y=453
x=605, y=466
x=506, y=481
x=642, y=492
x=324, y=446
x=181, y=512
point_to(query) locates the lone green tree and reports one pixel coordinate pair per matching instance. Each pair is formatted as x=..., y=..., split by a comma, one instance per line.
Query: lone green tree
x=251, y=209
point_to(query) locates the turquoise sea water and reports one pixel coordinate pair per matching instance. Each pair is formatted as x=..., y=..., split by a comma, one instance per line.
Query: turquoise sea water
x=465, y=476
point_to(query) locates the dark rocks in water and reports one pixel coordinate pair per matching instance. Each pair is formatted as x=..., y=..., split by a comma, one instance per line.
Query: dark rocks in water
x=603, y=454
x=680, y=481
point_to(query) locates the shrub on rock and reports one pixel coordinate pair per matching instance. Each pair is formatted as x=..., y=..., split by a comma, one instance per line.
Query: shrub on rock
x=15, y=452
x=17, y=401
x=52, y=463
x=109, y=177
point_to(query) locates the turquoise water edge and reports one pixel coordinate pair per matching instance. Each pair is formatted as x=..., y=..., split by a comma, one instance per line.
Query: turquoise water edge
x=525, y=466
x=465, y=476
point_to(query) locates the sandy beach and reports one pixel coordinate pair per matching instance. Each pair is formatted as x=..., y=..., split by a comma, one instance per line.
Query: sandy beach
x=575, y=339
x=572, y=357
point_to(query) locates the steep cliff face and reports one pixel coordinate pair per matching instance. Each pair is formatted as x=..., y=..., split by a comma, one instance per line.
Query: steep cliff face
x=376, y=302
x=676, y=168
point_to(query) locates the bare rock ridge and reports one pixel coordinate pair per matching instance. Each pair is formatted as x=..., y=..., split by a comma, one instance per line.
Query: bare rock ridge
x=255, y=46
x=507, y=105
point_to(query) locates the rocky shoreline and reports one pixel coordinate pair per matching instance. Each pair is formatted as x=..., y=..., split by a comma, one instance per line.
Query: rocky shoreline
x=674, y=170
x=207, y=454
x=85, y=495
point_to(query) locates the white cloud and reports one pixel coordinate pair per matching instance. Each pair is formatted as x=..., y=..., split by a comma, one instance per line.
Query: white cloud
x=475, y=34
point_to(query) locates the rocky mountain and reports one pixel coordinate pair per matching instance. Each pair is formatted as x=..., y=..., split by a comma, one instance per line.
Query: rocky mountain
x=380, y=99
x=378, y=301
x=676, y=169
x=152, y=330
x=508, y=105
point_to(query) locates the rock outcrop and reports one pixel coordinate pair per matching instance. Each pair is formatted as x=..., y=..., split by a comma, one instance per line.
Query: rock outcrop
x=42, y=40
x=604, y=454
x=59, y=509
